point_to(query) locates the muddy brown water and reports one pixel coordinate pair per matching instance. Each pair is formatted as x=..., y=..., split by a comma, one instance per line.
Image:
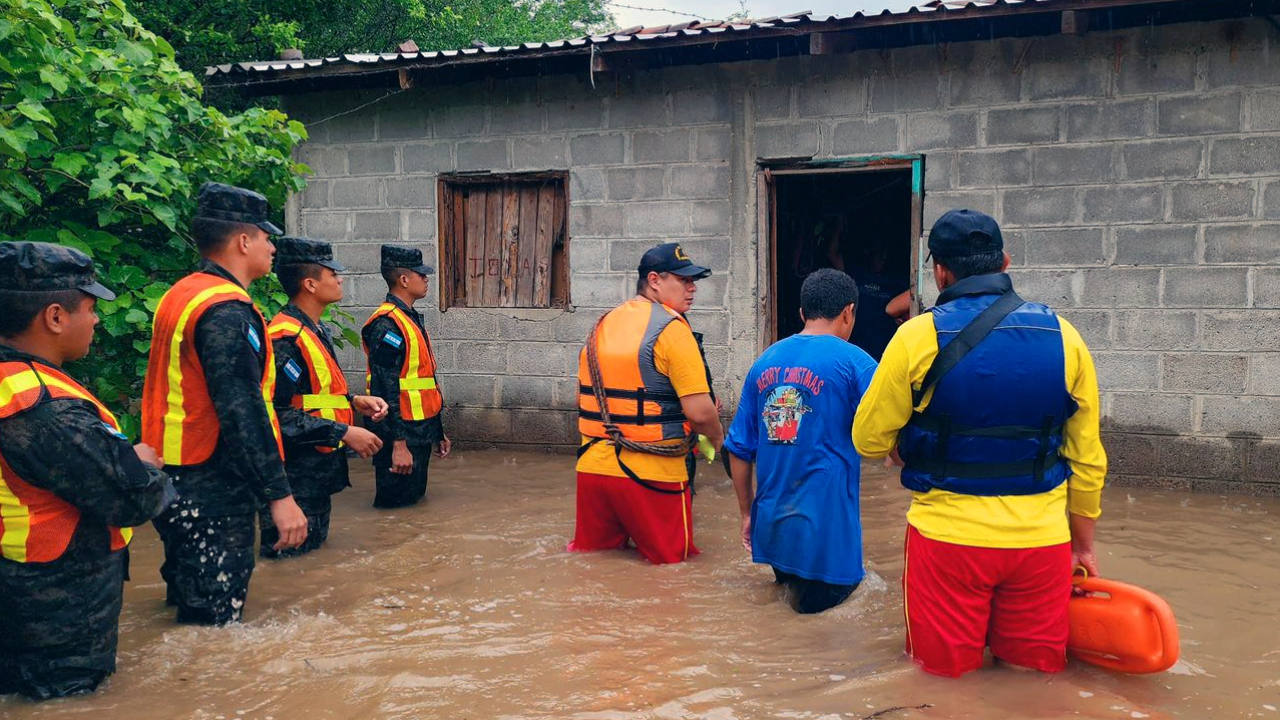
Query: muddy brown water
x=470, y=607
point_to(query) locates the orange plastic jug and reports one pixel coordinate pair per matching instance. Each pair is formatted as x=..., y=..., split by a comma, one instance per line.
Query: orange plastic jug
x=1122, y=627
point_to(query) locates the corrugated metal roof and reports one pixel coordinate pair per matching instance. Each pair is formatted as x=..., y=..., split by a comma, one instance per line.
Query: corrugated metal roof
x=653, y=37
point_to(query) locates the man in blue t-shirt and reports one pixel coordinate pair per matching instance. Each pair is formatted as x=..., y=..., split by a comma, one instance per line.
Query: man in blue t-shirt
x=795, y=425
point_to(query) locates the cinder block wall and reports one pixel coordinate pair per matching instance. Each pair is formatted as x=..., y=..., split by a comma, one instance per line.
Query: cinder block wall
x=1137, y=175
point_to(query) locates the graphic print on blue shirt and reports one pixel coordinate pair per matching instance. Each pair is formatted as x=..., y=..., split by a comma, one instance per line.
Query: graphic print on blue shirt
x=783, y=412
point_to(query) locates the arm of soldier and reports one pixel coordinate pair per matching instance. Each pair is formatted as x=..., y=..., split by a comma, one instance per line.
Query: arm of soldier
x=1082, y=448
x=64, y=447
x=225, y=339
x=886, y=405
x=676, y=355
x=741, y=444
x=385, y=361
x=297, y=426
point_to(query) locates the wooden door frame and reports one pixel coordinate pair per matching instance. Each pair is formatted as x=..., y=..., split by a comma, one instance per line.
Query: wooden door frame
x=767, y=223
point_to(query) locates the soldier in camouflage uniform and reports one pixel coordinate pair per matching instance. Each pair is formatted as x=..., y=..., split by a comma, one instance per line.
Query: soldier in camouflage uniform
x=315, y=409
x=207, y=408
x=70, y=483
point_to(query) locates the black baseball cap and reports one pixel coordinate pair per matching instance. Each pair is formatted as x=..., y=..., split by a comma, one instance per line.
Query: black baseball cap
x=395, y=256
x=964, y=233
x=670, y=257
x=234, y=204
x=41, y=267
x=298, y=251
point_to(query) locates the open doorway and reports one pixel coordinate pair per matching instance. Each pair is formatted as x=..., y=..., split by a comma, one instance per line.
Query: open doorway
x=863, y=219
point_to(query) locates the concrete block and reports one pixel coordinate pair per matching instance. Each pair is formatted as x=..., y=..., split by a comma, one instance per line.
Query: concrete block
x=985, y=85
x=540, y=428
x=603, y=291
x=384, y=225
x=993, y=168
x=1245, y=156
x=1071, y=247
x=641, y=110
x=1198, y=114
x=822, y=99
x=410, y=192
x=1055, y=288
x=575, y=114
x=1074, y=164
x=1220, y=373
x=1155, y=244
x=586, y=184
x=1130, y=453
x=710, y=218
x=1200, y=457
x=455, y=121
x=400, y=123
x=1094, y=326
x=700, y=107
x=354, y=194
x=572, y=328
x=1242, y=243
x=1264, y=110
x=1027, y=207
x=534, y=359
x=481, y=357
x=712, y=145
x=357, y=127
x=517, y=118
x=480, y=424
x=1155, y=330
x=471, y=324
x=714, y=326
x=646, y=183
x=1200, y=201
x=915, y=91
x=1179, y=159
x=536, y=325
x=953, y=130
x=1124, y=204
x=419, y=227
x=470, y=390
x=866, y=136
x=1264, y=378
x=1264, y=463
x=1161, y=413
x=586, y=255
x=772, y=103
x=937, y=171
x=1126, y=370
x=328, y=225
x=1239, y=416
x=599, y=221
x=427, y=158
x=372, y=160
x=484, y=155
x=1266, y=287
x=1242, y=63
x=1243, y=330
x=1110, y=120
x=1120, y=288
x=1271, y=200
x=358, y=259
x=786, y=140
x=324, y=161
x=1024, y=125
x=316, y=195
x=624, y=255
x=661, y=221
x=1164, y=73
x=938, y=203
x=700, y=181
x=597, y=149
x=1073, y=78
x=661, y=146
x=545, y=153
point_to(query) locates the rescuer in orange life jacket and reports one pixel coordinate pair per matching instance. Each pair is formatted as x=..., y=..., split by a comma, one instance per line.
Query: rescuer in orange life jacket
x=402, y=371
x=643, y=398
x=71, y=485
x=316, y=411
x=207, y=409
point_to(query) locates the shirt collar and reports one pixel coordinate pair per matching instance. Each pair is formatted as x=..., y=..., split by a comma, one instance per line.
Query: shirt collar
x=296, y=313
x=12, y=354
x=401, y=304
x=990, y=284
x=212, y=268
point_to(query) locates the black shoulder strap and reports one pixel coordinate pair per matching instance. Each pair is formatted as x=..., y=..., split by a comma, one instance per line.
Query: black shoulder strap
x=969, y=338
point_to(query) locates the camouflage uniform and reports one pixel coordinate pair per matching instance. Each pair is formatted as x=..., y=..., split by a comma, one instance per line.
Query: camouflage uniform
x=59, y=626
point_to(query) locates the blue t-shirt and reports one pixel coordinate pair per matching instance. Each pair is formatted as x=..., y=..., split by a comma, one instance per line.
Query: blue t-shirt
x=795, y=422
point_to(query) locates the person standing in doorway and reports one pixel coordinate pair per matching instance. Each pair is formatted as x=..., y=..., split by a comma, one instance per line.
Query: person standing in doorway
x=207, y=408
x=1006, y=490
x=794, y=428
x=316, y=411
x=877, y=287
x=643, y=398
x=402, y=371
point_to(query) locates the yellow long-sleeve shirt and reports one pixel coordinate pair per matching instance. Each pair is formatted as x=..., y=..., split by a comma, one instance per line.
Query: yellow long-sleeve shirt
x=1009, y=521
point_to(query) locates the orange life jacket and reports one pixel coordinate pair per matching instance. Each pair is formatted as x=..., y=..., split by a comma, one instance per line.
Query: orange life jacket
x=420, y=399
x=178, y=418
x=642, y=402
x=328, y=396
x=36, y=525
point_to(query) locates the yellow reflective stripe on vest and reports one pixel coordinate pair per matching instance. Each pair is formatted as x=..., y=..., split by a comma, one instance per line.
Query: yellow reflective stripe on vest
x=17, y=524
x=177, y=413
x=325, y=402
x=413, y=353
x=15, y=385
x=418, y=383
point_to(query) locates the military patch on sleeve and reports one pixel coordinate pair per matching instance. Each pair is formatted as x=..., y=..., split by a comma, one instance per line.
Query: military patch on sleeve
x=254, y=340
x=292, y=369
x=115, y=432
x=393, y=340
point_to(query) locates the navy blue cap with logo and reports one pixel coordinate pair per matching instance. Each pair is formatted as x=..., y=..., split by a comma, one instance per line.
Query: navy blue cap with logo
x=42, y=267
x=671, y=258
x=965, y=233
x=229, y=203
x=301, y=251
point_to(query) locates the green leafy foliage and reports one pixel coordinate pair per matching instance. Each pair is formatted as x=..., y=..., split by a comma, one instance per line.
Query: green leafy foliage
x=104, y=141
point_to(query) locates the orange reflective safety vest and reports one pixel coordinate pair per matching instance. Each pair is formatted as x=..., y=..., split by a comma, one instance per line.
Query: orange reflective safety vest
x=643, y=404
x=328, y=396
x=36, y=526
x=178, y=418
x=419, y=397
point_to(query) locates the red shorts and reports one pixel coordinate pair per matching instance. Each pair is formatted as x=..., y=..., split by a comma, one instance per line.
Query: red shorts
x=612, y=510
x=960, y=599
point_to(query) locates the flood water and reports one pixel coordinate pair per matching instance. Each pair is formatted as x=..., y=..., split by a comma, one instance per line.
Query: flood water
x=470, y=607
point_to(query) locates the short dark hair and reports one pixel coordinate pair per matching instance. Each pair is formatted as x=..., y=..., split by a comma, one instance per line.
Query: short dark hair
x=971, y=265
x=292, y=275
x=826, y=293
x=22, y=307
x=211, y=235
x=392, y=275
